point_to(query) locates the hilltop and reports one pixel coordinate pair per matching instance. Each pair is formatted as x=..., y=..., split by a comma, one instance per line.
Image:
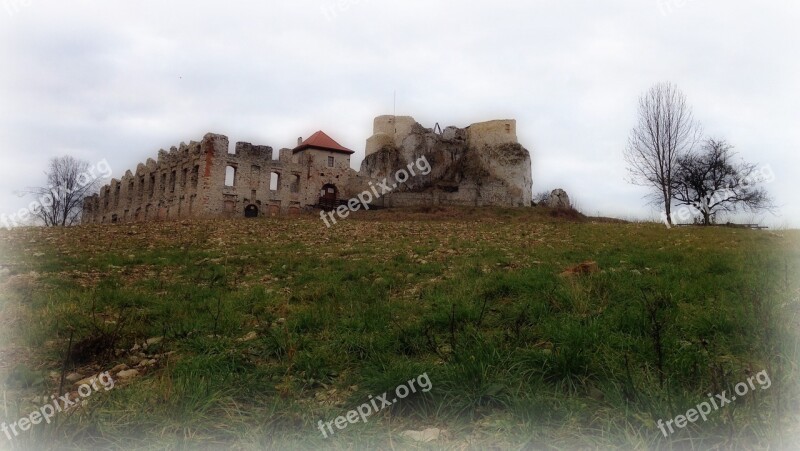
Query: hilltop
x=247, y=333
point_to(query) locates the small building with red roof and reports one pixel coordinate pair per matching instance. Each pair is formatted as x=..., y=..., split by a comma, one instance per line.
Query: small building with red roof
x=330, y=161
x=321, y=141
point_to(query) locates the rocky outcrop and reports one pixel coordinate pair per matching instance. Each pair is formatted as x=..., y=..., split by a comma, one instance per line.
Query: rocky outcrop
x=559, y=199
x=480, y=165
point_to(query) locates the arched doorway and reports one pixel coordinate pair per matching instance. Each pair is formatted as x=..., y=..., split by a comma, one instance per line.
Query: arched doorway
x=251, y=211
x=329, y=197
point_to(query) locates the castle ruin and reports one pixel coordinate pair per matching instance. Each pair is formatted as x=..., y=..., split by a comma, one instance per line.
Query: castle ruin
x=480, y=165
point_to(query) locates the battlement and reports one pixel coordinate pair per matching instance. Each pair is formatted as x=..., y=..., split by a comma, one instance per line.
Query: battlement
x=248, y=150
x=478, y=165
x=393, y=130
x=492, y=133
x=389, y=130
x=206, y=178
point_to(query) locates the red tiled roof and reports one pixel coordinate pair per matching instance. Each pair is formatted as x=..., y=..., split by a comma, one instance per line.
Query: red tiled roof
x=320, y=140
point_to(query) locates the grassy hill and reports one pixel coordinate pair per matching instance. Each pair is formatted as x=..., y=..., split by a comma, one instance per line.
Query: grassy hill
x=248, y=333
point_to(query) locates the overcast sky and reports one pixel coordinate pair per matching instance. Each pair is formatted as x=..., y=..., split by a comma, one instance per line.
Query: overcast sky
x=120, y=80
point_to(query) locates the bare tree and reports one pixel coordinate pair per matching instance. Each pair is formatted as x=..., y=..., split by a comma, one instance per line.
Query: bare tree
x=60, y=201
x=711, y=183
x=666, y=129
x=542, y=198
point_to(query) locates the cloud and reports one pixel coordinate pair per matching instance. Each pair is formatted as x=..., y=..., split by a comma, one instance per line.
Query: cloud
x=119, y=81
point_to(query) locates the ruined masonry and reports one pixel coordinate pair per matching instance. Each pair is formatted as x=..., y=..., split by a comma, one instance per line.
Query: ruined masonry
x=480, y=165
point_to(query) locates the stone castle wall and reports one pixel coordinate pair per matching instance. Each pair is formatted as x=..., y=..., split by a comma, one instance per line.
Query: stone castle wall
x=190, y=182
x=480, y=165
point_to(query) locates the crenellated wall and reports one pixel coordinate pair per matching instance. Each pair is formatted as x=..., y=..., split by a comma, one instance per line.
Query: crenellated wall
x=482, y=164
x=159, y=189
x=190, y=181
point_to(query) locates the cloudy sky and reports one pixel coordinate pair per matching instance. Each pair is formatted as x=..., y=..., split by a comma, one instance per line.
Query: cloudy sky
x=119, y=80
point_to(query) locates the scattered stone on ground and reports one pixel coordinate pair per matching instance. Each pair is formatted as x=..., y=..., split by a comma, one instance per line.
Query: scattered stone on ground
x=147, y=362
x=249, y=337
x=74, y=377
x=425, y=436
x=118, y=368
x=127, y=374
x=87, y=381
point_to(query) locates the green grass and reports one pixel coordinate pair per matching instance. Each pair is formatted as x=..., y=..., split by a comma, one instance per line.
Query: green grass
x=518, y=355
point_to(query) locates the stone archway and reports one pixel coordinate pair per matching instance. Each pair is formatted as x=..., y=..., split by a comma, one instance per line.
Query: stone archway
x=329, y=196
x=251, y=211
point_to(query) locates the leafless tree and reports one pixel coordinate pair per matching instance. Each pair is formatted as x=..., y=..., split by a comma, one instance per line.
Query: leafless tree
x=711, y=182
x=542, y=198
x=665, y=131
x=60, y=201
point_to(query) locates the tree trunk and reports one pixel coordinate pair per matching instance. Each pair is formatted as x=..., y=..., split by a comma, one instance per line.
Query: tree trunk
x=668, y=207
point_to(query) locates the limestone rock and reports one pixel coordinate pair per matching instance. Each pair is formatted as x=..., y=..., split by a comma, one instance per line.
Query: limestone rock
x=559, y=199
x=86, y=381
x=118, y=368
x=480, y=165
x=127, y=374
x=252, y=335
x=147, y=362
x=425, y=436
x=74, y=377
